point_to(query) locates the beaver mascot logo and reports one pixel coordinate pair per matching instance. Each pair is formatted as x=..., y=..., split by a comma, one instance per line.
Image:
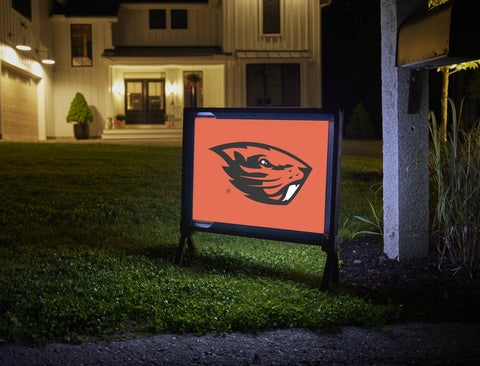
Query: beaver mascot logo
x=264, y=173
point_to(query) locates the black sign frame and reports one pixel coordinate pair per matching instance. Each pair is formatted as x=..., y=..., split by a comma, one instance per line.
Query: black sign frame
x=328, y=240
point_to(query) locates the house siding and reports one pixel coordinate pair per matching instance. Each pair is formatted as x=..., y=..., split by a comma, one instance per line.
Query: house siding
x=243, y=26
x=37, y=33
x=91, y=81
x=232, y=26
x=133, y=28
x=300, y=23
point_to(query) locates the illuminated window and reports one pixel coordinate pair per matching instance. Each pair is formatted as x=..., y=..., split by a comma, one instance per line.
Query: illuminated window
x=81, y=44
x=158, y=19
x=273, y=85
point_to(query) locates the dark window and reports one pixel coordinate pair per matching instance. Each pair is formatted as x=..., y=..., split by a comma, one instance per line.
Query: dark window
x=193, y=89
x=24, y=7
x=271, y=16
x=179, y=19
x=81, y=44
x=158, y=19
x=273, y=85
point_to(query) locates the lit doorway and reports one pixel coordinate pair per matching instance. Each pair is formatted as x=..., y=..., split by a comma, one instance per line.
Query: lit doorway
x=145, y=101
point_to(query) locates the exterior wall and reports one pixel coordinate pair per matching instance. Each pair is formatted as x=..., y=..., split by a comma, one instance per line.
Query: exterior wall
x=37, y=34
x=234, y=25
x=91, y=81
x=132, y=29
x=242, y=26
x=310, y=79
x=301, y=24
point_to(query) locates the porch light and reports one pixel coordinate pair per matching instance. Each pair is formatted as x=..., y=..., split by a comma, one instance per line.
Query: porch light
x=118, y=88
x=172, y=89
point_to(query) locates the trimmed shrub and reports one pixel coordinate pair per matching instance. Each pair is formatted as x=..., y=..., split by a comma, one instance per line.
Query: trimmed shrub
x=359, y=125
x=79, y=110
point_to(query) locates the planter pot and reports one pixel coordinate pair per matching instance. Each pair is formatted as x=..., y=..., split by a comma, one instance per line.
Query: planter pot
x=81, y=131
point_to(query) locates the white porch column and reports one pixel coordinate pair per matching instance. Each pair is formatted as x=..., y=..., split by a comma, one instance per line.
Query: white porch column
x=405, y=136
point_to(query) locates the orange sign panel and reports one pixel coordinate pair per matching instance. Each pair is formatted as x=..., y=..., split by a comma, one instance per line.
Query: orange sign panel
x=263, y=173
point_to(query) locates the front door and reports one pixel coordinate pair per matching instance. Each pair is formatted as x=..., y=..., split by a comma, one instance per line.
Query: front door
x=145, y=101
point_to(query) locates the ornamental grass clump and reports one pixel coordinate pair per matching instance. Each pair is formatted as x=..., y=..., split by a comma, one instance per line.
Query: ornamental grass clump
x=455, y=178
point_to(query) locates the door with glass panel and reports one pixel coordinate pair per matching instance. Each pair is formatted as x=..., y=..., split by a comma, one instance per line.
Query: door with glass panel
x=145, y=101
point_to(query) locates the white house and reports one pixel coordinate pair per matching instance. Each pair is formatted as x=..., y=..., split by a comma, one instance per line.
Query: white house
x=147, y=60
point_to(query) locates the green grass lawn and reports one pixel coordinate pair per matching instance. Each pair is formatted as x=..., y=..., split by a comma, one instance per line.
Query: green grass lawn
x=88, y=234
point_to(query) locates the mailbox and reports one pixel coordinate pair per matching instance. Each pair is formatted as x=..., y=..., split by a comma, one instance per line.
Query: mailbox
x=446, y=35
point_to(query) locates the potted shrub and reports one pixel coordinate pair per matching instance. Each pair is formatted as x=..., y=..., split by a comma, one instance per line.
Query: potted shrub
x=80, y=115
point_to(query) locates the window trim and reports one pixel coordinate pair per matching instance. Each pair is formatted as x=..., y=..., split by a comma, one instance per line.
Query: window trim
x=282, y=20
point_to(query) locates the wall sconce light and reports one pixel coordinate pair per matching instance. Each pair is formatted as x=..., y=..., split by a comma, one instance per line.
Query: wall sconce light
x=22, y=44
x=118, y=89
x=46, y=60
x=172, y=89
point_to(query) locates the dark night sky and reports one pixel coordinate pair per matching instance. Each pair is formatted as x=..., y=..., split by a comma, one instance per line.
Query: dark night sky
x=351, y=57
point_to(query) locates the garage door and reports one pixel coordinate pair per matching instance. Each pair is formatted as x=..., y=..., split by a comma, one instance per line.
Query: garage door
x=19, y=119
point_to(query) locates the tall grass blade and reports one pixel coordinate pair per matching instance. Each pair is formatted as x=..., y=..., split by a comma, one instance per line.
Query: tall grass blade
x=455, y=189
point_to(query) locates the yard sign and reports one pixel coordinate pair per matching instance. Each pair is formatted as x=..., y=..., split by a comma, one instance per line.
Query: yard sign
x=265, y=173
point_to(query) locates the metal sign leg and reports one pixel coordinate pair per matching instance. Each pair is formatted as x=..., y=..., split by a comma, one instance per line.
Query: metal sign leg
x=186, y=242
x=331, y=271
